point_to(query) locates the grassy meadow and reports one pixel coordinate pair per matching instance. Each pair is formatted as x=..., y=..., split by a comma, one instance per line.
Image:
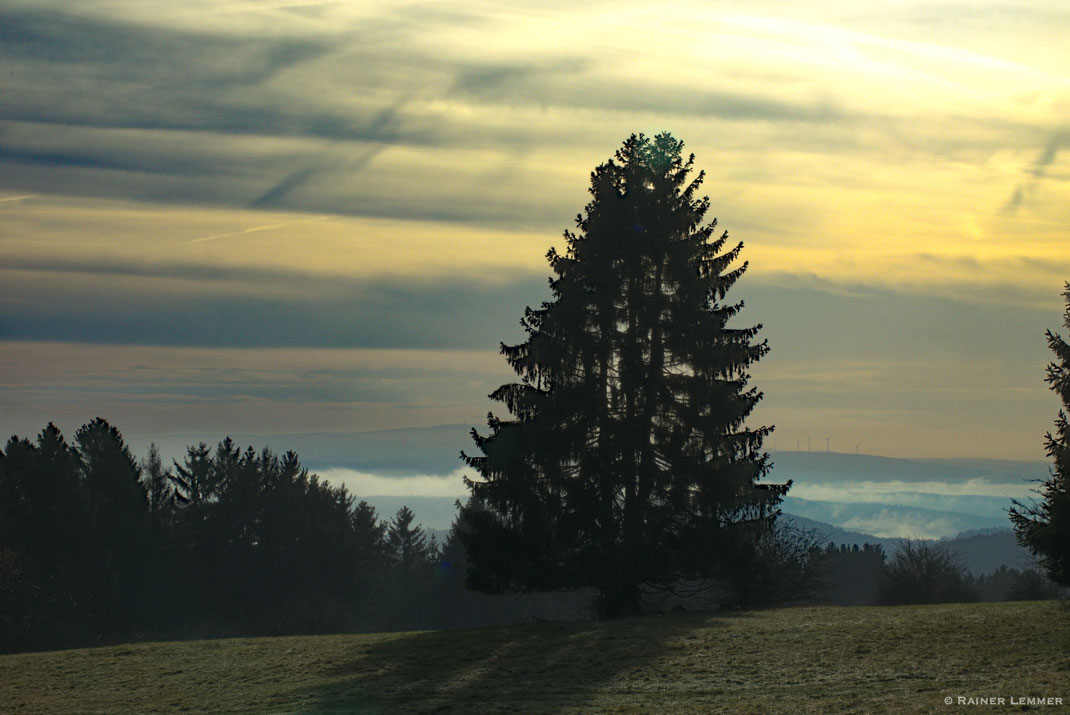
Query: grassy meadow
x=812, y=659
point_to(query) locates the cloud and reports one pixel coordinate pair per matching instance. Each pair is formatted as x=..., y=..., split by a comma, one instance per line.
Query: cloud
x=277, y=194
x=826, y=318
x=212, y=169
x=1037, y=171
x=971, y=498
x=194, y=303
x=127, y=51
x=248, y=307
x=364, y=484
x=890, y=520
x=283, y=188
x=892, y=524
x=197, y=108
x=1047, y=156
x=870, y=148
x=216, y=237
x=183, y=395
x=555, y=85
x=91, y=70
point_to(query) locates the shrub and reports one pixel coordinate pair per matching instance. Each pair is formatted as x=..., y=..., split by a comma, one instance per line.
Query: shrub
x=923, y=572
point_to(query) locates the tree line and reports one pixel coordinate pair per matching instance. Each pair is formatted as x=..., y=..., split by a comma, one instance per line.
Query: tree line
x=96, y=546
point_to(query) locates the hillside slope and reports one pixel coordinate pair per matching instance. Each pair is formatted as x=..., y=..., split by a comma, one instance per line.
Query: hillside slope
x=830, y=659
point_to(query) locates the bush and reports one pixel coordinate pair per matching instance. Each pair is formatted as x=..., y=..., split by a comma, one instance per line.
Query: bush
x=924, y=572
x=1032, y=585
x=783, y=566
x=851, y=572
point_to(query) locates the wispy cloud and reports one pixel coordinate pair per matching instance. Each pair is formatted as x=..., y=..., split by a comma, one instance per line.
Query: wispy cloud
x=243, y=307
x=254, y=229
x=1038, y=170
x=293, y=105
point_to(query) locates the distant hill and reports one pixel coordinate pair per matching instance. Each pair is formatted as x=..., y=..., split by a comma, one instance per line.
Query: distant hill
x=982, y=552
x=393, y=452
x=827, y=467
x=828, y=533
x=892, y=520
x=436, y=450
x=901, y=506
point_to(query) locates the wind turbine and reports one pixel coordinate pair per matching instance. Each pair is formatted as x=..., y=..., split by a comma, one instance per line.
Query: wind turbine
x=856, y=446
x=798, y=445
x=808, y=444
x=827, y=444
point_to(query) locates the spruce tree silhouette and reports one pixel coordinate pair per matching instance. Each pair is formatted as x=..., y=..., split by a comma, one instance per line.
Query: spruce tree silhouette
x=408, y=544
x=121, y=528
x=46, y=542
x=1044, y=527
x=157, y=482
x=628, y=463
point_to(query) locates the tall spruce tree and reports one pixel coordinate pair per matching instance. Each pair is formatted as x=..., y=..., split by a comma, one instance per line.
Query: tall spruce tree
x=1044, y=526
x=627, y=463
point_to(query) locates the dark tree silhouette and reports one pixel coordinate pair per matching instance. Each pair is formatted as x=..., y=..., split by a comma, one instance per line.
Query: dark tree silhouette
x=852, y=573
x=111, y=473
x=408, y=544
x=251, y=543
x=121, y=535
x=1044, y=527
x=194, y=482
x=1032, y=585
x=157, y=482
x=45, y=542
x=409, y=590
x=370, y=555
x=924, y=572
x=628, y=463
x=783, y=565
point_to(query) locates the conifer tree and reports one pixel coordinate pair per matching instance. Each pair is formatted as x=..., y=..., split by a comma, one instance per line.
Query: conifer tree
x=121, y=536
x=627, y=463
x=157, y=482
x=194, y=482
x=371, y=547
x=408, y=544
x=1044, y=527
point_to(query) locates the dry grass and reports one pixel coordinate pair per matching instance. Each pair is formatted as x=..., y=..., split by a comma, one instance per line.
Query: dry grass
x=904, y=659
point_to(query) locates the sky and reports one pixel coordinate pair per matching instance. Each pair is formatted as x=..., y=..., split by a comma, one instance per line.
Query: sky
x=229, y=216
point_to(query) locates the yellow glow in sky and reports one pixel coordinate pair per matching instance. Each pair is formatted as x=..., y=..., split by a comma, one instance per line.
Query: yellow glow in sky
x=388, y=176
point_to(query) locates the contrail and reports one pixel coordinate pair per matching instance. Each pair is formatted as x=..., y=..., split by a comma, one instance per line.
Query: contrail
x=254, y=229
x=18, y=198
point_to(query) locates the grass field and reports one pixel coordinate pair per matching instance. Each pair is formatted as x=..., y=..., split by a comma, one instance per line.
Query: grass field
x=827, y=659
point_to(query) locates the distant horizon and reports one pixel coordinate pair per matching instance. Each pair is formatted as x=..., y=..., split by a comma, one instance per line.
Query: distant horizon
x=887, y=497
x=146, y=438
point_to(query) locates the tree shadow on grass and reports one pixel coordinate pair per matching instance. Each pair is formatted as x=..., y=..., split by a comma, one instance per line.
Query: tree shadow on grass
x=536, y=667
